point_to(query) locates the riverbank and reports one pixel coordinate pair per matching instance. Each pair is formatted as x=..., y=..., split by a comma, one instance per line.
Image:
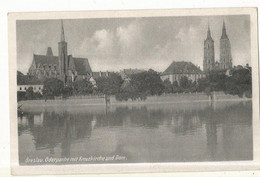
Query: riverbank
x=166, y=98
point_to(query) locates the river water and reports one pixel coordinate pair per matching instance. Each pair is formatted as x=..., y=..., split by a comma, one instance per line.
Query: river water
x=150, y=132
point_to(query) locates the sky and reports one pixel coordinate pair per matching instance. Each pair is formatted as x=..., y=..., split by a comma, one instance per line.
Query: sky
x=113, y=44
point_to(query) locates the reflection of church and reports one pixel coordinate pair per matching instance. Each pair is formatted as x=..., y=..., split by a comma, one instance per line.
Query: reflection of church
x=51, y=129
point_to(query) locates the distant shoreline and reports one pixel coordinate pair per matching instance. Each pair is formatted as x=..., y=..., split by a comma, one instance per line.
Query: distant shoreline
x=167, y=98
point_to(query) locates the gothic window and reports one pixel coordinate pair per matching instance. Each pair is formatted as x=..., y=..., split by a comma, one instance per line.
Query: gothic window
x=44, y=67
x=54, y=67
x=20, y=88
x=50, y=67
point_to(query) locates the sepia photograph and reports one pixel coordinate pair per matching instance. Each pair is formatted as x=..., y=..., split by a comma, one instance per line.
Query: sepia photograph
x=134, y=89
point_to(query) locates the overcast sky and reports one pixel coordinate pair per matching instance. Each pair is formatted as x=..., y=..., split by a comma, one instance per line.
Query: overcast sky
x=120, y=43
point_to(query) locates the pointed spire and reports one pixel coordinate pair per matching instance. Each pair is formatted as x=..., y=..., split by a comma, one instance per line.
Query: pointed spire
x=209, y=33
x=62, y=32
x=224, y=32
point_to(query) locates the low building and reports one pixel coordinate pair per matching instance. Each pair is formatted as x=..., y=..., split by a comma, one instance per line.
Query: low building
x=36, y=88
x=177, y=70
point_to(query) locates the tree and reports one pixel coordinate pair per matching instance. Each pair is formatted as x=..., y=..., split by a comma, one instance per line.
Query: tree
x=81, y=87
x=29, y=95
x=141, y=85
x=168, y=87
x=185, y=83
x=239, y=83
x=21, y=96
x=203, y=83
x=175, y=87
x=109, y=85
x=52, y=87
x=217, y=80
x=147, y=83
x=67, y=91
x=194, y=87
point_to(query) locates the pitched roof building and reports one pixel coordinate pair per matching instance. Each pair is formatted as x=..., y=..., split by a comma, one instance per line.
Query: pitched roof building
x=178, y=69
x=64, y=66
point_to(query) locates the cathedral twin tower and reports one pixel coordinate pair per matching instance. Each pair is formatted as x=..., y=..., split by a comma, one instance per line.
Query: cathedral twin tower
x=225, y=61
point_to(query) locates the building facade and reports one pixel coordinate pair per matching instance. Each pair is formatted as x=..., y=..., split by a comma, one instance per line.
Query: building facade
x=209, y=53
x=64, y=67
x=177, y=70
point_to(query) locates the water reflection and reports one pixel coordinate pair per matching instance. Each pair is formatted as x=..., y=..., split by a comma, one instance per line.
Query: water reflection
x=162, y=133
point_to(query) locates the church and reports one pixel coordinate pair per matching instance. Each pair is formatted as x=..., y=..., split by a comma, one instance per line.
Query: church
x=64, y=67
x=176, y=70
x=225, y=57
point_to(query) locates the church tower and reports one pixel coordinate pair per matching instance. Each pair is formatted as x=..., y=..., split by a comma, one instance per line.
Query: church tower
x=209, y=53
x=63, y=56
x=225, y=50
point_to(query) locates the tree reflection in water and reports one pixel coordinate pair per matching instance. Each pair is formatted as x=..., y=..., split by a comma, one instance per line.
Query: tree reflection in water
x=62, y=129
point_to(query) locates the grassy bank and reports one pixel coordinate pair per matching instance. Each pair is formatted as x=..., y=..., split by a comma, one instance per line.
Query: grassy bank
x=166, y=98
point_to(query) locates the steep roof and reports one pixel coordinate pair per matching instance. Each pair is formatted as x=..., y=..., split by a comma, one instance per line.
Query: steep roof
x=182, y=67
x=224, y=32
x=209, y=34
x=43, y=59
x=27, y=79
x=82, y=66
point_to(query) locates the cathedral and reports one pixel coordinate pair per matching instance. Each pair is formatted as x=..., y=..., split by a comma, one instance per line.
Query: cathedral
x=225, y=58
x=64, y=67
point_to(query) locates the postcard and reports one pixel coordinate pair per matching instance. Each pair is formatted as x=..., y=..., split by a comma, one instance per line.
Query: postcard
x=134, y=91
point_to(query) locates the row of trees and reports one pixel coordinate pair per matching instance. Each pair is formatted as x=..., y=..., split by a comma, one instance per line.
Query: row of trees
x=141, y=85
x=213, y=81
x=147, y=83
